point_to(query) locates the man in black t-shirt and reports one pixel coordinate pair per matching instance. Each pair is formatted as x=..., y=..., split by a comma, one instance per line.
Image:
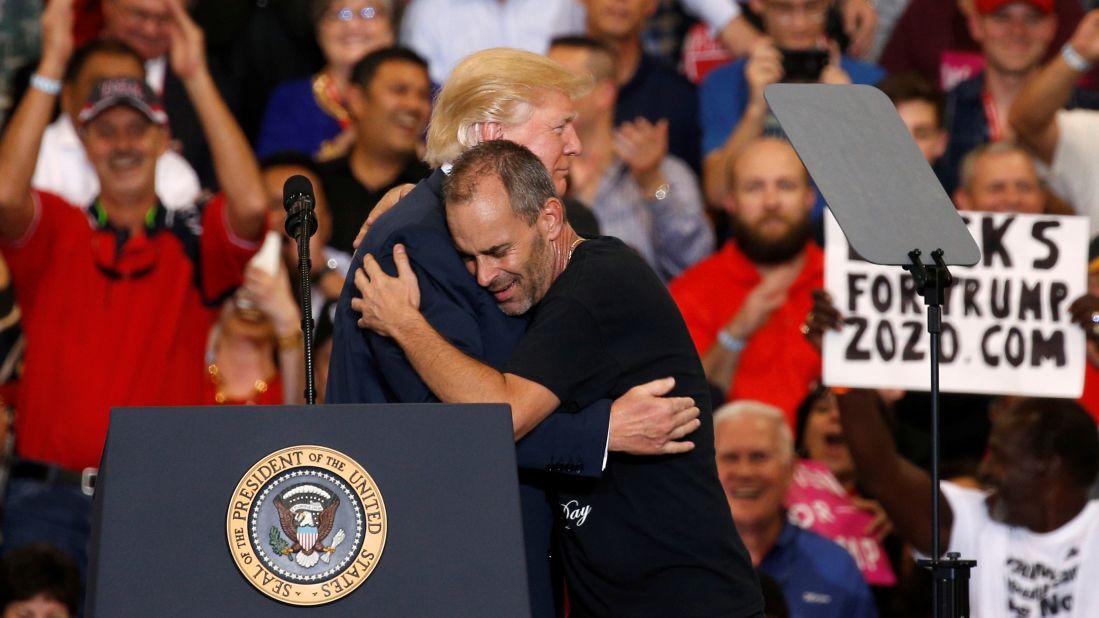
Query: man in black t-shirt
x=653, y=536
x=389, y=101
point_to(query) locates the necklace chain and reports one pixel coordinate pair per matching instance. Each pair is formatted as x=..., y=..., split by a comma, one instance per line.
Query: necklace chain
x=574, y=245
x=258, y=387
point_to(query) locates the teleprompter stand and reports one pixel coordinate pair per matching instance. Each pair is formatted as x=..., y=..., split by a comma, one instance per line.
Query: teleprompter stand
x=950, y=577
x=893, y=210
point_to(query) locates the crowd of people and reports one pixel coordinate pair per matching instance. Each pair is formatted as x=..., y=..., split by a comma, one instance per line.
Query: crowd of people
x=147, y=142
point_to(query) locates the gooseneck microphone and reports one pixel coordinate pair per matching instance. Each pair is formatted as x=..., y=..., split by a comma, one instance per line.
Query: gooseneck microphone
x=301, y=223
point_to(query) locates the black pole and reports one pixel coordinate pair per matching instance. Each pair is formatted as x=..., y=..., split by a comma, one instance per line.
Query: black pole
x=950, y=577
x=301, y=223
x=934, y=328
x=305, y=268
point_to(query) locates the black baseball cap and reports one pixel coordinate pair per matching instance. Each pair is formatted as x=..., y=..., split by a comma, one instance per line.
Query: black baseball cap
x=107, y=93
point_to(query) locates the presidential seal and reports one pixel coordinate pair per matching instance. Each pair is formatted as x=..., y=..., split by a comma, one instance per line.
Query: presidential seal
x=306, y=525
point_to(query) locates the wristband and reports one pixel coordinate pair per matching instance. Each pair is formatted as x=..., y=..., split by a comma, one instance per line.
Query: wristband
x=1074, y=59
x=45, y=84
x=729, y=342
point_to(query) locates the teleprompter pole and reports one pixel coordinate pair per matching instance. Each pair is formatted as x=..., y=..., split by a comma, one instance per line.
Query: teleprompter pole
x=950, y=577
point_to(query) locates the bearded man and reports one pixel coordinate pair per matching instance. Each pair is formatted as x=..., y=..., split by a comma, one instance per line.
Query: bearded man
x=743, y=305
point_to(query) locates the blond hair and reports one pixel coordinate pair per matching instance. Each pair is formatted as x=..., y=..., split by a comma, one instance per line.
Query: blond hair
x=495, y=85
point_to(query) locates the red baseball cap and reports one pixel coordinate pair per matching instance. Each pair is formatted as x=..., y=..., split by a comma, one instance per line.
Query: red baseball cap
x=984, y=7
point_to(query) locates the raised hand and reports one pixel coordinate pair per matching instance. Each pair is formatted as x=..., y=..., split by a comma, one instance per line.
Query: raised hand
x=187, y=51
x=881, y=526
x=271, y=294
x=834, y=73
x=764, y=67
x=1085, y=312
x=57, y=36
x=1085, y=40
x=859, y=21
x=823, y=316
x=642, y=145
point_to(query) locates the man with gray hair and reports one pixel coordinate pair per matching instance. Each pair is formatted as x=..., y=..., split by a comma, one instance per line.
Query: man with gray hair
x=755, y=462
x=528, y=99
x=1001, y=177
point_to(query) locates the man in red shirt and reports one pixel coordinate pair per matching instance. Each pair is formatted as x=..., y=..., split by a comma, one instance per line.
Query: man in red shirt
x=745, y=304
x=117, y=297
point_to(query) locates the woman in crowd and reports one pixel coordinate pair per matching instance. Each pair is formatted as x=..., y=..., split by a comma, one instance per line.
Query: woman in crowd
x=255, y=350
x=310, y=115
x=824, y=494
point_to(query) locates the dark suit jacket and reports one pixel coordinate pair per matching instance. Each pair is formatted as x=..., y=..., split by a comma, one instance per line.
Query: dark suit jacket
x=366, y=367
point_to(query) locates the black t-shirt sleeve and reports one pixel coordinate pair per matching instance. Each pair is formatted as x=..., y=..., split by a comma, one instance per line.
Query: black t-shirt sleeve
x=562, y=350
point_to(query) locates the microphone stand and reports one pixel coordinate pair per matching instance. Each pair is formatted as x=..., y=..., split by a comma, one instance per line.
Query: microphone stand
x=302, y=217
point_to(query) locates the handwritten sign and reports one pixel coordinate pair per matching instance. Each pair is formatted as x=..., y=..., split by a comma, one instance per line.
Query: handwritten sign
x=1006, y=325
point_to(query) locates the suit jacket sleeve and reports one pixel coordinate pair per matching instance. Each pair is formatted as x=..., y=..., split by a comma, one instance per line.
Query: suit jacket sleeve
x=444, y=301
x=573, y=443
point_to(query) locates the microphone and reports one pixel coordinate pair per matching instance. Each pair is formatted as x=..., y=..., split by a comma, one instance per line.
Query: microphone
x=301, y=223
x=297, y=198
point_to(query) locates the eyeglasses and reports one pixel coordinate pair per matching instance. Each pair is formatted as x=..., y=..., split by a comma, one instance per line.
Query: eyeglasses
x=347, y=14
x=784, y=12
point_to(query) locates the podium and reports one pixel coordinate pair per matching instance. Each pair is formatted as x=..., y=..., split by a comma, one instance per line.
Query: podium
x=163, y=522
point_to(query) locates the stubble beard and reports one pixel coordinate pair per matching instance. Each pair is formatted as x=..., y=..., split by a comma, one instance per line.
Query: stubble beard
x=532, y=282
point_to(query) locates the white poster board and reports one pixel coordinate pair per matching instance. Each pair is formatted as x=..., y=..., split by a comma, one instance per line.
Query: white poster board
x=1006, y=326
